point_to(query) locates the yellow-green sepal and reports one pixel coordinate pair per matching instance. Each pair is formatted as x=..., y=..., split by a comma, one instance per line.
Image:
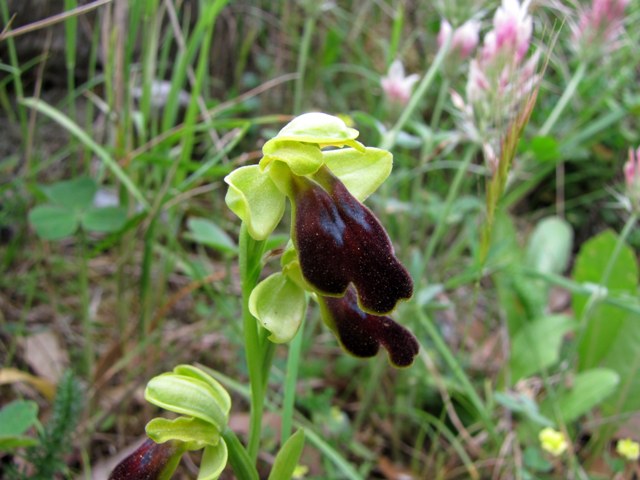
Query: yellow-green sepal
x=319, y=128
x=255, y=199
x=279, y=304
x=362, y=172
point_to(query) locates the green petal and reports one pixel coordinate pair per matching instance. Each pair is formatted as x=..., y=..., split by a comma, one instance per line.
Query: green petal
x=186, y=429
x=302, y=158
x=222, y=397
x=361, y=172
x=188, y=396
x=279, y=304
x=321, y=129
x=254, y=198
x=214, y=459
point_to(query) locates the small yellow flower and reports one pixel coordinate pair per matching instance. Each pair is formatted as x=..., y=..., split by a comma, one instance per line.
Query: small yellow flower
x=300, y=472
x=553, y=441
x=628, y=449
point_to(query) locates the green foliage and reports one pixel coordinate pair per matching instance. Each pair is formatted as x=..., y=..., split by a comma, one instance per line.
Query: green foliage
x=612, y=268
x=71, y=207
x=287, y=458
x=536, y=346
x=47, y=458
x=15, y=419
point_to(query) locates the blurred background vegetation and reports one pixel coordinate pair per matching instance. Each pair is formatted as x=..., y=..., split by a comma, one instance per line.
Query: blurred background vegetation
x=119, y=121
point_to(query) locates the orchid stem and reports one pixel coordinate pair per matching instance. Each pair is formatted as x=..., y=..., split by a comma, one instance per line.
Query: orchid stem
x=250, y=258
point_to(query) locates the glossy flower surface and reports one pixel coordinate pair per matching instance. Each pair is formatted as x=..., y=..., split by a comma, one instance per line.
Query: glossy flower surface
x=362, y=334
x=628, y=449
x=339, y=241
x=150, y=461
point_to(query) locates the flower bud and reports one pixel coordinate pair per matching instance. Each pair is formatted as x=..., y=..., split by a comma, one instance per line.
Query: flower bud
x=150, y=461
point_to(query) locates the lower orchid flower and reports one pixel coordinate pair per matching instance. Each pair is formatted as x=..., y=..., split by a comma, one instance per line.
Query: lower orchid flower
x=362, y=334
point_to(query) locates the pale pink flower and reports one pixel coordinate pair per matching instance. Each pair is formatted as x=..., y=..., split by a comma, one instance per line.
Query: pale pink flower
x=600, y=26
x=464, y=40
x=397, y=87
x=632, y=169
x=511, y=34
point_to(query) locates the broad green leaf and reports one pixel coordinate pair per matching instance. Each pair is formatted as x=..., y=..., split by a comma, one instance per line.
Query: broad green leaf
x=279, y=304
x=184, y=429
x=104, y=220
x=221, y=395
x=302, y=158
x=74, y=194
x=288, y=457
x=524, y=405
x=207, y=233
x=588, y=390
x=254, y=198
x=321, y=129
x=361, y=172
x=52, y=222
x=623, y=356
x=536, y=346
x=16, y=417
x=549, y=247
x=214, y=459
x=188, y=396
x=521, y=304
x=603, y=322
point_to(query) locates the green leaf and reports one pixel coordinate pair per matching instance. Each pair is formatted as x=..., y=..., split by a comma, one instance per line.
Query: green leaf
x=16, y=417
x=545, y=148
x=524, y=405
x=288, y=457
x=361, y=172
x=104, y=220
x=279, y=304
x=188, y=396
x=604, y=322
x=302, y=158
x=536, y=346
x=623, y=356
x=52, y=222
x=207, y=233
x=254, y=198
x=319, y=128
x=184, y=429
x=74, y=194
x=549, y=247
x=214, y=459
x=589, y=389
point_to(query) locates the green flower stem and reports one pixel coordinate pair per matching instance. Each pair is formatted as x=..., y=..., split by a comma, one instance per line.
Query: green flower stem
x=250, y=260
x=450, y=360
x=451, y=196
x=239, y=459
x=389, y=139
x=303, y=55
x=439, y=106
x=567, y=95
x=293, y=361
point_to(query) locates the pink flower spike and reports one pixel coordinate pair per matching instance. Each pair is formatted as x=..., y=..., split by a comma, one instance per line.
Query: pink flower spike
x=397, y=87
x=466, y=38
x=632, y=168
x=511, y=34
x=600, y=25
x=444, y=33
